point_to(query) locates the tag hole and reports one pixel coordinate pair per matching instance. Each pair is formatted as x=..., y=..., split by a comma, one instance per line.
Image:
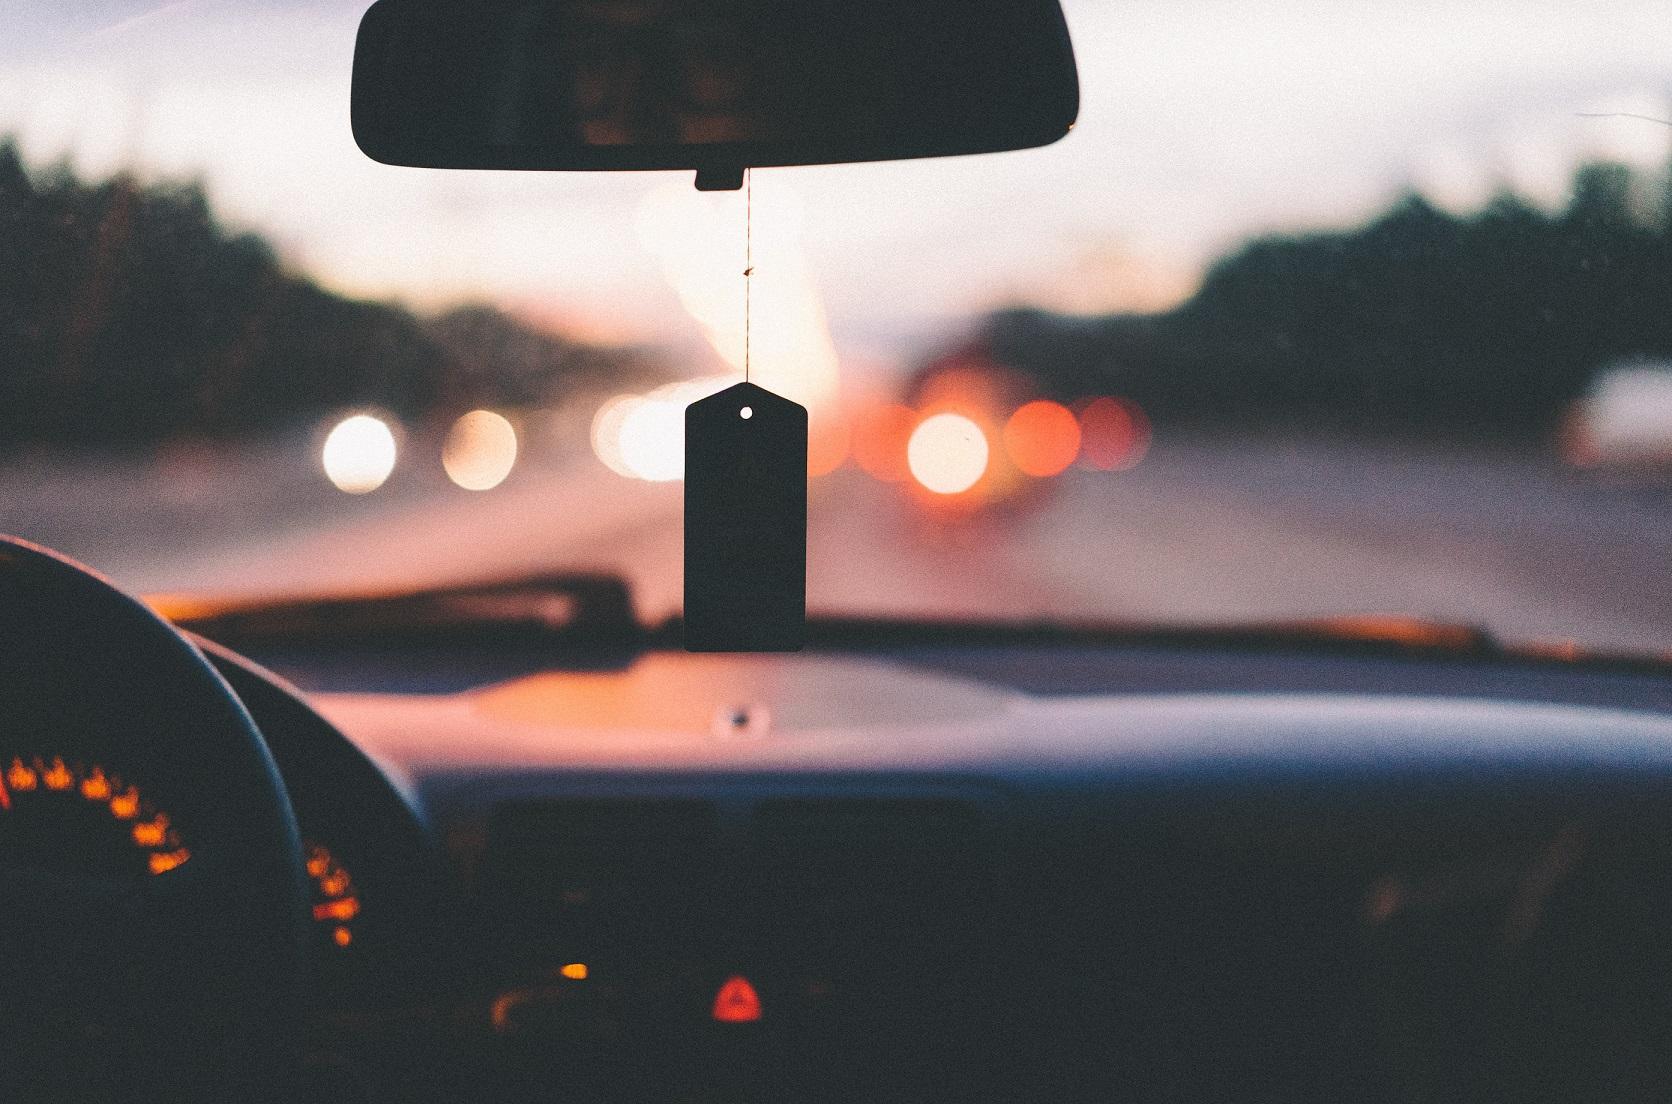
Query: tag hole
x=746, y=413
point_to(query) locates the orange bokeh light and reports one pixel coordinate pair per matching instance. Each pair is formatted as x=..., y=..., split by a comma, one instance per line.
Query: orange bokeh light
x=21, y=777
x=1114, y=434
x=125, y=806
x=150, y=830
x=879, y=442
x=151, y=833
x=343, y=908
x=828, y=440
x=330, y=879
x=95, y=787
x=58, y=776
x=161, y=862
x=1042, y=438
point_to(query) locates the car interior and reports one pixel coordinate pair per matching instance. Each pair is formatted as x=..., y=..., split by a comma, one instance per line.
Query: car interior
x=388, y=834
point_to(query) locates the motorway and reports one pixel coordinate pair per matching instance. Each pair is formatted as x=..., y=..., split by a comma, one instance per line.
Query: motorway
x=1201, y=531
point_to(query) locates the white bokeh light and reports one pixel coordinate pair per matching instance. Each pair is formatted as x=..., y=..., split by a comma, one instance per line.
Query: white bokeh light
x=947, y=453
x=359, y=454
x=480, y=450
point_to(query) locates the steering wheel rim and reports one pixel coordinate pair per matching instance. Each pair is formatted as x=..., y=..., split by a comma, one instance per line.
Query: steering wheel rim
x=180, y=985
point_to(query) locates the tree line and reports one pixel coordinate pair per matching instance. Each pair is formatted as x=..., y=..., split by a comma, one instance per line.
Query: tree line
x=1418, y=321
x=130, y=315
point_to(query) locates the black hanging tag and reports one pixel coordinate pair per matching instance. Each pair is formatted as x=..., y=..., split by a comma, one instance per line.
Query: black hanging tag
x=745, y=522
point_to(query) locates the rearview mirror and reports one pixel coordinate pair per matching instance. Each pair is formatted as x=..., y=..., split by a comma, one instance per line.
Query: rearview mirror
x=713, y=85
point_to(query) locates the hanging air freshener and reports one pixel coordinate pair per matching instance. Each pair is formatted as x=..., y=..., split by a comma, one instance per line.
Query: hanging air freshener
x=745, y=515
x=745, y=522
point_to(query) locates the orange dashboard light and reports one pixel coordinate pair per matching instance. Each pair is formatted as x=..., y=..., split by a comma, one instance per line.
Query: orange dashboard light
x=95, y=787
x=507, y=1003
x=125, y=806
x=737, y=1001
x=164, y=861
x=334, y=884
x=151, y=833
x=20, y=777
x=345, y=908
x=342, y=936
x=58, y=776
x=574, y=971
x=318, y=862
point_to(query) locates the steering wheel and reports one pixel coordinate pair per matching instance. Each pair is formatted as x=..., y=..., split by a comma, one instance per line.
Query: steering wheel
x=124, y=976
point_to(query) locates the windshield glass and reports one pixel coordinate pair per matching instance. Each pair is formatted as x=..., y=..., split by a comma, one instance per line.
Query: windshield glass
x=1322, y=309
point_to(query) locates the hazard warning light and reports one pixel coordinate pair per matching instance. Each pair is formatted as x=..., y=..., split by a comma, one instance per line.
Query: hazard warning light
x=737, y=1001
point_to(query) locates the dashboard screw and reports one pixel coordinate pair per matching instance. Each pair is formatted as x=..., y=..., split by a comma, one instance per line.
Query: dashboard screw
x=741, y=722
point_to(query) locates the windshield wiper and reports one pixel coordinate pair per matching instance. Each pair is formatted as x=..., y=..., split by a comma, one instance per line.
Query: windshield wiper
x=1354, y=635
x=594, y=612
x=581, y=608
x=1372, y=633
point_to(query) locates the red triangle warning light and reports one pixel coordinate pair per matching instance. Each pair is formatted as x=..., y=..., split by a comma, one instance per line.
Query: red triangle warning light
x=737, y=1001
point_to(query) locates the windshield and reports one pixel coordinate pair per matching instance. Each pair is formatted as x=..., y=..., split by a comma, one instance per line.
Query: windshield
x=1322, y=309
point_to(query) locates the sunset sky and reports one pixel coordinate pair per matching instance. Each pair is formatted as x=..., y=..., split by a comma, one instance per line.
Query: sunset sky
x=1201, y=123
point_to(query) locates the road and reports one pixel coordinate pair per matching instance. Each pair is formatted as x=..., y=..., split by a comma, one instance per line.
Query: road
x=1201, y=531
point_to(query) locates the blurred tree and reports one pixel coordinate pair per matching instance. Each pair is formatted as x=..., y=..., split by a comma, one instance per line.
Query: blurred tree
x=129, y=315
x=1418, y=321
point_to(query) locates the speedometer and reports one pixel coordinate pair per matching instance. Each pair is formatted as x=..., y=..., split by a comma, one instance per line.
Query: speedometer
x=82, y=817
x=335, y=900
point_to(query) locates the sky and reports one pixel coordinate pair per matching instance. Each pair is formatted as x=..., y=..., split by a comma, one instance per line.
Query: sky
x=1201, y=123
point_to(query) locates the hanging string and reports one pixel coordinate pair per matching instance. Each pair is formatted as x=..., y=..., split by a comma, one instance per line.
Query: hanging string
x=748, y=261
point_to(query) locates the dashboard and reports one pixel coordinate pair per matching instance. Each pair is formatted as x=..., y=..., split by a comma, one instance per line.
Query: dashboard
x=840, y=876
x=945, y=870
